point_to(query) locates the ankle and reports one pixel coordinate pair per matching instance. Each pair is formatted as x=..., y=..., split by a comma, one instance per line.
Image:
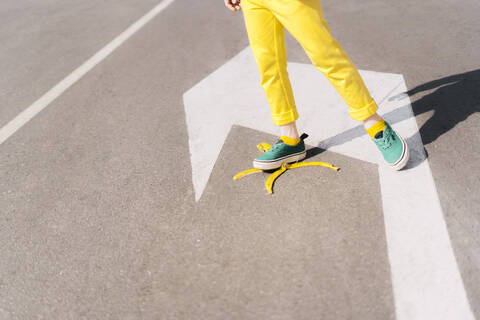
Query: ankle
x=290, y=130
x=376, y=128
x=372, y=120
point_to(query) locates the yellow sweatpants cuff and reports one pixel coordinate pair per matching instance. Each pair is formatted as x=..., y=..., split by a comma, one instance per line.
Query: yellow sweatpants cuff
x=365, y=112
x=281, y=119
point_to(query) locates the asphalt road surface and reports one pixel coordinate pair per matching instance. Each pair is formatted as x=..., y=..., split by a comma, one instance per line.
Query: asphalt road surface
x=99, y=217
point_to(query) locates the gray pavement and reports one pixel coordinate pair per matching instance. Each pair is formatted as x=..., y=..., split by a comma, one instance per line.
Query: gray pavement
x=43, y=41
x=97, y=209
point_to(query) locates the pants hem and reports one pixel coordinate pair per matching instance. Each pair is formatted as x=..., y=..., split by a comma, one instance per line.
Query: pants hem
x=365, y=112
x=285, y=118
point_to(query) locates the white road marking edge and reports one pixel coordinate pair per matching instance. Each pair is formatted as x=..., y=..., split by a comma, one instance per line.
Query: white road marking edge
x=26, y=115
x=425, y=277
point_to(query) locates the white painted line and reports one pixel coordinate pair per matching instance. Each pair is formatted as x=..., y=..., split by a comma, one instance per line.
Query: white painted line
x=426, y=281
x=26, y=115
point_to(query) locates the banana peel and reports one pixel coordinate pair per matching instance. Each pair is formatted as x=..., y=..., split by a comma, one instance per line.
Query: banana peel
x=264, y=147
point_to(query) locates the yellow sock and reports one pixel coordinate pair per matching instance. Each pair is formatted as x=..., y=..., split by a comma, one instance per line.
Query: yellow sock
x=290, y=141
x=377, y=127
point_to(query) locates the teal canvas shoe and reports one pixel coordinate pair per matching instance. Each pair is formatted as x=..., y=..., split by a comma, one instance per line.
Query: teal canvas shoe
x=280, y=153
x=393, y=148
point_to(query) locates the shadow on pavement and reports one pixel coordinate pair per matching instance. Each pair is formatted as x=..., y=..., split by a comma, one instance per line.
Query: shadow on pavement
x=312, y=152
x=455, y=98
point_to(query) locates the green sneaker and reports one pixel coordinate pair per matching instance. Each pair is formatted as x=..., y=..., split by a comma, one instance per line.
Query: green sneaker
x=393, y=148
x=280, y=153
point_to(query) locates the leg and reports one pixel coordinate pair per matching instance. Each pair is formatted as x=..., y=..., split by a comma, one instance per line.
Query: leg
x=370, y=121
x=290, y=130
x=267, y=40
x=305, y=21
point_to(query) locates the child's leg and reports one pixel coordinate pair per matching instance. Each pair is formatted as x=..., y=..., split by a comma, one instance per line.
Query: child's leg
x=265, y=21
x=267, y=40
x=290, y=130
x=305, y=21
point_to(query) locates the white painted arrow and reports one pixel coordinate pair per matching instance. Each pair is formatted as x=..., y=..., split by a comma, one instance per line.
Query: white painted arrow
x=425, y=277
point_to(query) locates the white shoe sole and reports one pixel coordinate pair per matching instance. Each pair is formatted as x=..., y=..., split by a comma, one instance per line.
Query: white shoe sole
x=277, y=164
x=402, y=162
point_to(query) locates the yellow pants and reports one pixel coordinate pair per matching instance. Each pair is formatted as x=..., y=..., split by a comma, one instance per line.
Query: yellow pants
x=265, y=21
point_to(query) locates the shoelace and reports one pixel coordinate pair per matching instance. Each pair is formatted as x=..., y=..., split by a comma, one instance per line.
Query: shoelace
x=265, y=147
x=386, y=141
x=276, y=145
